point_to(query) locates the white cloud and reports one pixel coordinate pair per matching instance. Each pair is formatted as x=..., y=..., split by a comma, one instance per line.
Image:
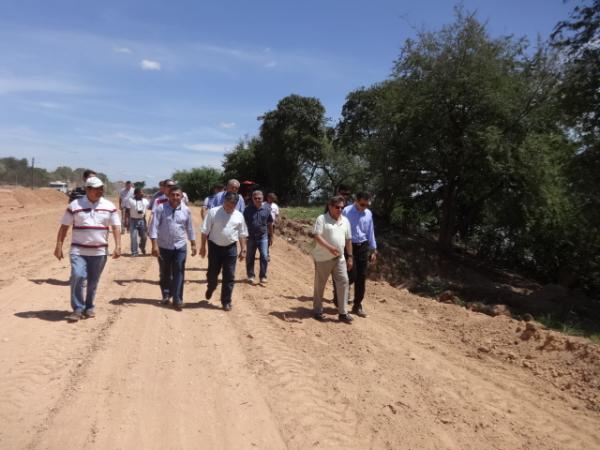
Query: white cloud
x=10, y=85
x=122, y=50
x=148, y=64
x=270, y=64
x=227, y=125
x=50, y=105
x=208, y=147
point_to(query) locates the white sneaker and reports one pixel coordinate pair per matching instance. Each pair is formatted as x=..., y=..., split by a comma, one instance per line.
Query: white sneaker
x=250, y=280
x=263, y=280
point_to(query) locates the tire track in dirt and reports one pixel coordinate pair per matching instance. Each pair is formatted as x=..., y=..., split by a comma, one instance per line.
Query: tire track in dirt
x=308, y=410
x=47, y=367
x=177, y=381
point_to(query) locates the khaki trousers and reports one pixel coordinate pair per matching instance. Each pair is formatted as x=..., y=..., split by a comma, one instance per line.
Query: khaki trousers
x=337, y=268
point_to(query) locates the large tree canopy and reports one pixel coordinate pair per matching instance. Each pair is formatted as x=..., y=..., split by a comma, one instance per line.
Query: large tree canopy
x=286, y=155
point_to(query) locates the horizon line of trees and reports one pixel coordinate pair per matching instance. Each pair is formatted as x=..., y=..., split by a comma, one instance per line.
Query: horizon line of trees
x=18, y=171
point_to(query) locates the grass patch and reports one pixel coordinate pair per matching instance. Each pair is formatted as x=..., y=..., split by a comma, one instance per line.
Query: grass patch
x=302, y=212
x=574, y=327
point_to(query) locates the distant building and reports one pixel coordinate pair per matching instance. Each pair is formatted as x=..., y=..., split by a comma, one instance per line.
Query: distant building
x=59, y=186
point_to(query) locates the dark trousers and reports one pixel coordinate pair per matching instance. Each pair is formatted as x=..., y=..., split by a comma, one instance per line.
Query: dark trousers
x=221, y=258
x=172, y=272
x=358, y=274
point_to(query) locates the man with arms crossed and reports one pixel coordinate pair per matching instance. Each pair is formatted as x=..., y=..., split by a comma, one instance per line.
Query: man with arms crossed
x=92, y=217
x=223, y=228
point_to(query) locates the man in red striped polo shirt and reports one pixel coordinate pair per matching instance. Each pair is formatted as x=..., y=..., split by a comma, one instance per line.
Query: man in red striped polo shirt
x=92, y=217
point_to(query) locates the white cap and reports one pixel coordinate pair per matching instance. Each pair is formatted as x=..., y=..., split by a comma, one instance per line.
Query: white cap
x=94, y=182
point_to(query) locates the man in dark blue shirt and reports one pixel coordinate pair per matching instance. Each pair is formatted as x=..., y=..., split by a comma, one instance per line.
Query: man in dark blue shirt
x=260, y=235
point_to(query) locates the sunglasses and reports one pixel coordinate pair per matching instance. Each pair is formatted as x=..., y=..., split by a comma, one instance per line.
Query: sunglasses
x=337, y=207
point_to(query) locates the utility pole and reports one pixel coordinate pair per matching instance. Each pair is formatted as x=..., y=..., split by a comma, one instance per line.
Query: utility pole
x=32, y=167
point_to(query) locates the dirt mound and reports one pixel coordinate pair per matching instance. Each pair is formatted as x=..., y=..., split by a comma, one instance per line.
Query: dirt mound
x=569, y=363
x=23, y=198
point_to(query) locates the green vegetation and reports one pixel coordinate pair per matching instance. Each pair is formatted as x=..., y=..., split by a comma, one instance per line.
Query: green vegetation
x=18, y=172
x=574, y=326
x=302, y=212
x=483, y=142
x=198, y=183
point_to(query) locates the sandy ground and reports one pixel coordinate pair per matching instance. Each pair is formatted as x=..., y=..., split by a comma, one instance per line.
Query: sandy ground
x=416, y=374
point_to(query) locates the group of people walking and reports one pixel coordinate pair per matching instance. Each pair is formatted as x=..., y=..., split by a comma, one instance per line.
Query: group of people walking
x=230, y=231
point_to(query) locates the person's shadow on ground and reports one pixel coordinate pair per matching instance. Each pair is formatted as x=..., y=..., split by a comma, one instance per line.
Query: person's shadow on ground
x=203, y=304
x=136, y=301
x=300, y=313
x=135, y=280
x=52, y=281
x=50, y=315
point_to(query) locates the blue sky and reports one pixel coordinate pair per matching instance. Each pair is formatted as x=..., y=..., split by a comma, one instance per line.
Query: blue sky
x=139, y=89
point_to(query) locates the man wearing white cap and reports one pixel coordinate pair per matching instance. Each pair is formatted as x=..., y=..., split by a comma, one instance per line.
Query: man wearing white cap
x=92, y=217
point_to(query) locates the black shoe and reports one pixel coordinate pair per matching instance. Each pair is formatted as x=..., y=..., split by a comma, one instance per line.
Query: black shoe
x=359, y=312
x=208, y=294
x=320, y=317
x=74, y=316
x=178, y=306
x=346, y=318
x=165, y=301
x=227, y=307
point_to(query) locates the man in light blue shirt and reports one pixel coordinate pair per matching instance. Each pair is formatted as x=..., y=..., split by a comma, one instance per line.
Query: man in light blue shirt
x=363, y=243
x=171, y=225
x=232, y=186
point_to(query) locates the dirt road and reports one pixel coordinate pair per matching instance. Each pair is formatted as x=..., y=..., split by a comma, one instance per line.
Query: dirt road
x=414, y=375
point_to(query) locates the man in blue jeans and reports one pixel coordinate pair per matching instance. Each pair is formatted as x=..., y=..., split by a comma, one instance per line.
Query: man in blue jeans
x=223, y=228
x=171, y=223
x=259, y=222
x=137, y=226
x=91, y=216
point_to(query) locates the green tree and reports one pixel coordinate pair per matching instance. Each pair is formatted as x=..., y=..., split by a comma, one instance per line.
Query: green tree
x=241, y=162
x=578, y=39
x=442, y=133
x=197, y=182
x=63, y=173
x=291, y=147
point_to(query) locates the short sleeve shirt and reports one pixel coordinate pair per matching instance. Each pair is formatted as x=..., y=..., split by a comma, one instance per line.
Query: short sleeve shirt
x=257, y=220
x=334, y=232
x=222, y=228
x=136, y=205
x=274, y=211
x=91, y=224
